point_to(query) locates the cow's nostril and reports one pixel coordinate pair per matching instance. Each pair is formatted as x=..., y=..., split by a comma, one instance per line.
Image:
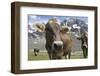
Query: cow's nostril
x=58, y=46
x=55, y=46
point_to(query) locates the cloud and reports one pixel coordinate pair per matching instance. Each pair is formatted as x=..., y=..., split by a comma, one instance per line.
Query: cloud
x=33, y=17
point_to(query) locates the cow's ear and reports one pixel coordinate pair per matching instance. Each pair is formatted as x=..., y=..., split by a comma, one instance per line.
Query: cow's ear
x=40, y=27
x=64, y=30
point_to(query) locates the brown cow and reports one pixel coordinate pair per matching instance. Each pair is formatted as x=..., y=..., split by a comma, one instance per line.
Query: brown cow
x=84, y=44
x=58, y=41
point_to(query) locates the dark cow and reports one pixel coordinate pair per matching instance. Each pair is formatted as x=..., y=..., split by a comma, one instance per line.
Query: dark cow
x=84, y=44
x=36, y=51
x=58, y=41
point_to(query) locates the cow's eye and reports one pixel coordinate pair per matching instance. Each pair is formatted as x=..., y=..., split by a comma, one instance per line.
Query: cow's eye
x=51, y=30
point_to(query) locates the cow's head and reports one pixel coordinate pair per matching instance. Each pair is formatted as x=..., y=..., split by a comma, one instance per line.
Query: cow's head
x=53, y=37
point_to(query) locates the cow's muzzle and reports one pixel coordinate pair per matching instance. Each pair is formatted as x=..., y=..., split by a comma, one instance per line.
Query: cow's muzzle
x=57, y=45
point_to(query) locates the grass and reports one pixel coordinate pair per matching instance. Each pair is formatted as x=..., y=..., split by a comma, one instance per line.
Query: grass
x=44, y=56
x=40, y=56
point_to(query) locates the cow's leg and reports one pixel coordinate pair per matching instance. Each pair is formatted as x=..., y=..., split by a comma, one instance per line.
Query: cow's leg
x=50, y=55
x=85, y=52
x=65, y=56
x=35, y=53
x=69, y=55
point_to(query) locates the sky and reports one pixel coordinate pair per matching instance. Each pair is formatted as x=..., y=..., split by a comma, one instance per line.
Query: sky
x=32, y=19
